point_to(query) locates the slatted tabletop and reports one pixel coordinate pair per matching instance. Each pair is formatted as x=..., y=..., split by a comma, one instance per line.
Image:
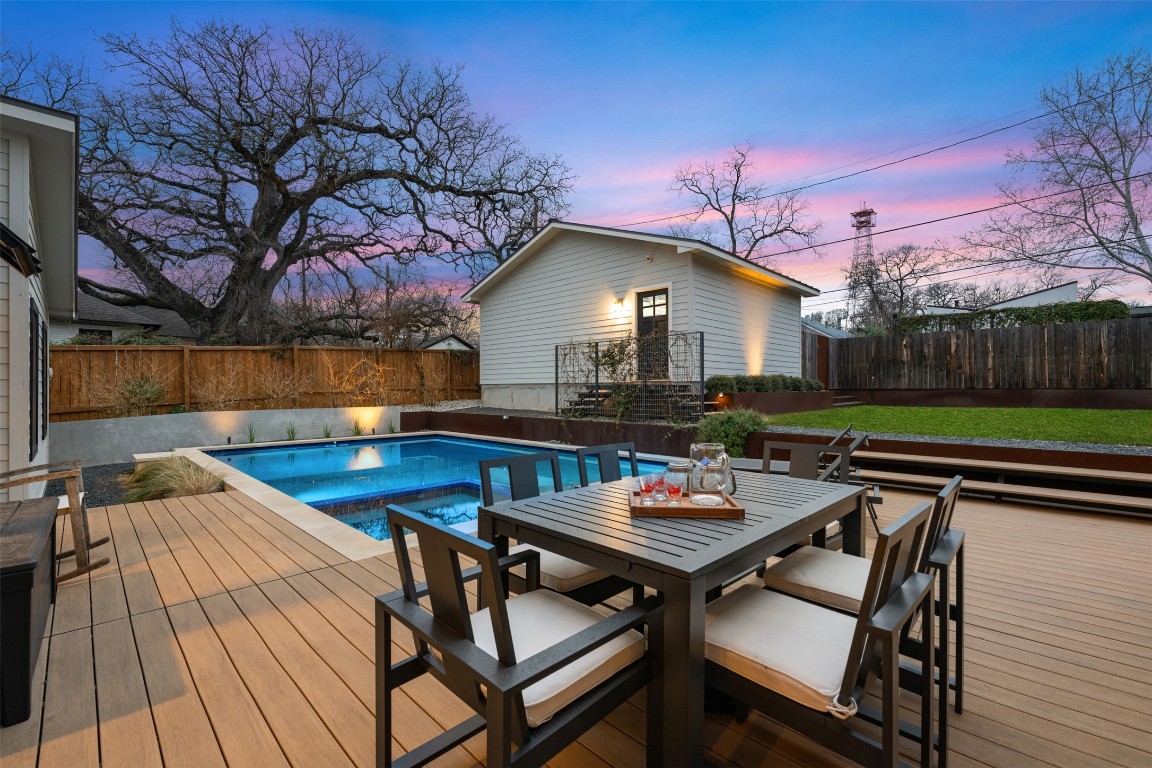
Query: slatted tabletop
x=596, y=521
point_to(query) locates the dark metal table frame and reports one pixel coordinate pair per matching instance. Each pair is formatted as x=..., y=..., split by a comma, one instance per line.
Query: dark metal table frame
x=685, y=559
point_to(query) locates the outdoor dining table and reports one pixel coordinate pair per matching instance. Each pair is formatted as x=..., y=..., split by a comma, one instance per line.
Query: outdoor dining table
x=683, y=558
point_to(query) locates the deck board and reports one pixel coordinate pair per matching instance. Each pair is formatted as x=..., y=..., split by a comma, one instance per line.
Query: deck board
x=221, y=634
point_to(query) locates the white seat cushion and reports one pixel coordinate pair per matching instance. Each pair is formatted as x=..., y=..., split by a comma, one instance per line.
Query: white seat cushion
x=560, y=573
x=792, y=647
x=822, y=576
x=540, y=619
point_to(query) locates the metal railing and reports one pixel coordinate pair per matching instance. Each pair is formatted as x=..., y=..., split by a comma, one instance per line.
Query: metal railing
x=656, y=377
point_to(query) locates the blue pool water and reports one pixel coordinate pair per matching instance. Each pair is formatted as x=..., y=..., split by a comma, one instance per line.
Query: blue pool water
x=436, y=476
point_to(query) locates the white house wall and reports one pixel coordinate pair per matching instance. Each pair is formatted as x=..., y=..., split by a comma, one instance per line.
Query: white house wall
x=566, y=292
x=5, y=336
x=749, y=327
x=15, y=293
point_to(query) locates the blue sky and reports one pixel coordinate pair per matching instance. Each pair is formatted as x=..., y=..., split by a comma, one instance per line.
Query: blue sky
x=627, y=92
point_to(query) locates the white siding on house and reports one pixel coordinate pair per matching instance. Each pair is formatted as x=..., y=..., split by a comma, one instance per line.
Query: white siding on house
x=565, y=292
x=6, y=274
x=4, y=170
x=749, y=327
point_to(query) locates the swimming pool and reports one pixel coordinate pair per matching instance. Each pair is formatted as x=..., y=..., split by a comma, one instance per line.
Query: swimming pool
x=436, y=476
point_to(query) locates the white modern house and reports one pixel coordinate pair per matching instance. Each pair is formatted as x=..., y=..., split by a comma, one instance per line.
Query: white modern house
x=38, y=151
x=576, y=282
x=1054, y=295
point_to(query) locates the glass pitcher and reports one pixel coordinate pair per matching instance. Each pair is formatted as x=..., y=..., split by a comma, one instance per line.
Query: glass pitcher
x=711, y=474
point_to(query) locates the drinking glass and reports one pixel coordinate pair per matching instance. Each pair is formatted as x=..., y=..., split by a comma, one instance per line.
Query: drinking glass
x=647, y=486
x=676, y=481
x=660, y=487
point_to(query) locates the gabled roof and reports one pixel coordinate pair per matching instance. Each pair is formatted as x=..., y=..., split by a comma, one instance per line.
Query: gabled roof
x=434, y=342
x=90, y=309
x=681, y=244
x=168, y=321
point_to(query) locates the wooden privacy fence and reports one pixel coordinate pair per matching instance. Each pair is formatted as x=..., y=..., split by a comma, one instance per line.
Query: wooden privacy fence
x=1110, y=354
x=100, y=381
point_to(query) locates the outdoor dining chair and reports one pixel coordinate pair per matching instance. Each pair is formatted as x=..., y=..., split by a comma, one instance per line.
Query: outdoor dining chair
x=607, y=461
x=814, y=461
x=72, y=503
x=538, y=668
x=577, y=580
x=838, y=580
x=810, y=667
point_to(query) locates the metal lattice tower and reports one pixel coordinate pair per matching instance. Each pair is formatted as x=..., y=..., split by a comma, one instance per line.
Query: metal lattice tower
x=862, y=221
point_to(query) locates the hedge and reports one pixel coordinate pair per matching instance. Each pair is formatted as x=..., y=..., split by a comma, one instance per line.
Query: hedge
x=773, y=383
x=1046, y=314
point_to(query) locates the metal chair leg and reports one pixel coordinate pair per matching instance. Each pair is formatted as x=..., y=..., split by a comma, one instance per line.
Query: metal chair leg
x=959, y=610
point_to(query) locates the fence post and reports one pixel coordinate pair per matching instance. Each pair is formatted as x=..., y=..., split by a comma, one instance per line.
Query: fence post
x=187, y=383
x=701, y=373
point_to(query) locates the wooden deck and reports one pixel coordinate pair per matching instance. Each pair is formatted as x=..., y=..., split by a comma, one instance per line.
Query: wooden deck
x=222, y=635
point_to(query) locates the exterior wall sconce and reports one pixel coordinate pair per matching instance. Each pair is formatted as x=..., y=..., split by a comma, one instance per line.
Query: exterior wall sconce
x=618, y=305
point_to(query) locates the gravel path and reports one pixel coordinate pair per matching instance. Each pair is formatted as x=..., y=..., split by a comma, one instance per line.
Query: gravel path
x=100, y=483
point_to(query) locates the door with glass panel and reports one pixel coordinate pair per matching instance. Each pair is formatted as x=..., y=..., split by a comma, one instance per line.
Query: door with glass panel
x=652, y=332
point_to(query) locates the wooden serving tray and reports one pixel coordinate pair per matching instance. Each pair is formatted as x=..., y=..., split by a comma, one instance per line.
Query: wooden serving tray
x=729, y=510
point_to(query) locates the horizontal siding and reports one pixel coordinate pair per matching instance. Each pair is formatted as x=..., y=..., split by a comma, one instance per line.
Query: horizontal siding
x=564, y=293
x=6, y=355
x=749, y=328
x=5, y=170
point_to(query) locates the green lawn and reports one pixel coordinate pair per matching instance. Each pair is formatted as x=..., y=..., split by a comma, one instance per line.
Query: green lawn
x=1081, y=425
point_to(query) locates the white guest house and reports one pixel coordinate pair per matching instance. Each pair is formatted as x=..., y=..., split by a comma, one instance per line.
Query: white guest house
x=576, y=282
x=38, y=271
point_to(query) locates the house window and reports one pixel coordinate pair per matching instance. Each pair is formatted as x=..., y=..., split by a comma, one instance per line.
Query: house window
x=652, y=312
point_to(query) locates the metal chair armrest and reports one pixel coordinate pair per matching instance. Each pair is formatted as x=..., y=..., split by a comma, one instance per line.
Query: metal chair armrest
x=947, y=549
x=898, y=609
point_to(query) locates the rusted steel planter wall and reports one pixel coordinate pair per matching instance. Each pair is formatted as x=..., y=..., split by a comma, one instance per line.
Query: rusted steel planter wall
x=776, y=402
x=649, y=438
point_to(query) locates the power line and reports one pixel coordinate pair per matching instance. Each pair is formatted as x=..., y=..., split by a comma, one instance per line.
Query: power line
x=896, y=162
x=948, y=218
x=980, y=266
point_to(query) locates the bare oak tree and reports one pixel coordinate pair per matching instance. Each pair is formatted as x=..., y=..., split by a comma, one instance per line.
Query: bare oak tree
x=737, y=214
x=1089, y=171
x=233, y=154
x=888, y=287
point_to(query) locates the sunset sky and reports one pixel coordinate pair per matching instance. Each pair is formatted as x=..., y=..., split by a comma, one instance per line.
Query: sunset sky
x=627, y=92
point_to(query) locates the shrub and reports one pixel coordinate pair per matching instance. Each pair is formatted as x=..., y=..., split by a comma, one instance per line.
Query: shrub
x=170, y=477
x=130, y=393
x=720, y=384
x=776, y=382
x=730, y=428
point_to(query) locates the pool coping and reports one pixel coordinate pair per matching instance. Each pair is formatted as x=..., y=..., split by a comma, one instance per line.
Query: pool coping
x=343, y=538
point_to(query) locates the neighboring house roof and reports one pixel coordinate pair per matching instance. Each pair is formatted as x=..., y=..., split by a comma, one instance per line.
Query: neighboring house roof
x=1053, y=295
x=90, y=309
x=53, y=137
x=682, y=244
x=442, y=339
x=823, y=330
x=164, y=322
x=169, y=321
